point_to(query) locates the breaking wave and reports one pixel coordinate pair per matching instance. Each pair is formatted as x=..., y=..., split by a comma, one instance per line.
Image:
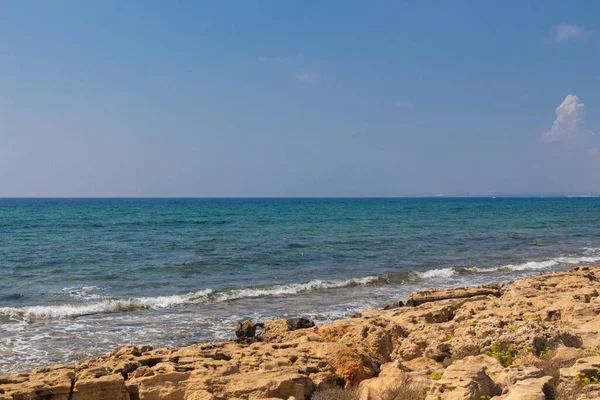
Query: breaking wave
x=438, y=273
x=112, y=305
x=100, y=305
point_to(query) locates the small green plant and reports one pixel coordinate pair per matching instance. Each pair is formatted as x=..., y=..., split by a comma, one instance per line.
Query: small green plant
x=590, y=351
x=449, y=335
x=435, y=376
x=588, y=380
x=514, y=328
x=485, y=397
x=505, y=354
x=545, y=353
x=531, y=317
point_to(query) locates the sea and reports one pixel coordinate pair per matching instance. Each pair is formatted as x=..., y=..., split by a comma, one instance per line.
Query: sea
x=81, y=276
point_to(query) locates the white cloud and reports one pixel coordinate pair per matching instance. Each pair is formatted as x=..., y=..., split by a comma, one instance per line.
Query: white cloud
x=308, y=77
x=569, y=120
x=566, y=32
x=404, y=104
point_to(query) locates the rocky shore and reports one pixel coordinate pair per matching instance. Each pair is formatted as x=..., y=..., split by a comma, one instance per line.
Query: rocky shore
x=534, y=339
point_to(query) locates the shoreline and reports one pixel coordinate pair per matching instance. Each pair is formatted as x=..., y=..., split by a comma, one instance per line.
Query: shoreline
x=445, y=341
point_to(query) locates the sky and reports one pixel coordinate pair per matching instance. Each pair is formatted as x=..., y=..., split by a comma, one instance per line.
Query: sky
x=299, y=98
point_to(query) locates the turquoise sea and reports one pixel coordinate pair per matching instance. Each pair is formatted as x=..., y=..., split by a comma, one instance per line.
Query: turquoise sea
x=80, y=276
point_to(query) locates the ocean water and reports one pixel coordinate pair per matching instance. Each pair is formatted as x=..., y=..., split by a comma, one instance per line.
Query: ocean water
x=80, y=276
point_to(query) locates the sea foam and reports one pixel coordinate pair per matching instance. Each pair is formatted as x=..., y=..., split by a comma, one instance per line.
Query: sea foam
x=438, y=273
x=161, y=302
x=112, y=305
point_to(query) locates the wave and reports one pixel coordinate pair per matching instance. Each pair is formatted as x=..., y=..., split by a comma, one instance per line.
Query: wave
x=98, y=305
x=203, y=296
x=278, y=290
x=526, y=266
x=553, y=262
x=82, y=292
x=537, y=265
x=438, y=273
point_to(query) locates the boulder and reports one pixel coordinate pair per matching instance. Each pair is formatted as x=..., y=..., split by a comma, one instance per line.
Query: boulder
x=465, y=379
x=299, y=323
x=247, y=329
x=520, y=372
x=392, y=375
x=101, y=388
x=54, y=383
x=531, y=389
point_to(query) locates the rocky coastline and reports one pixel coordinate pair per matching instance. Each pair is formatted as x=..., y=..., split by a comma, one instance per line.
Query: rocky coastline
x=534, y=339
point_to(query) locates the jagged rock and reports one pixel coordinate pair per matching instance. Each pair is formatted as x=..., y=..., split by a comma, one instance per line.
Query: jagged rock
x=394, y=305
x=589, y=366
x=101, y=388
x=586, y=367
x=589, y=392
x=299, y=323
x=247, y=329
x=531, y=389
x=465, y=380
x=427, y=296
x=520, y=372
x=440, y=342
x=563, y=356
x=55, y=383
x=392, y=375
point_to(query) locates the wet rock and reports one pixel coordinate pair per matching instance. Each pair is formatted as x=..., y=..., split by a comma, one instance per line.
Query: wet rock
x=394, y=305
x=299, y=323
x=247, y=329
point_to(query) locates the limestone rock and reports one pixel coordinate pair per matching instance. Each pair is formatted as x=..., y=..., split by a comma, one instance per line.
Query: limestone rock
x=465, y=380
x=392, y=375
x=531, y=389
x=439, y=342
x=427, y=296
x=588, y=366
x=101, y=388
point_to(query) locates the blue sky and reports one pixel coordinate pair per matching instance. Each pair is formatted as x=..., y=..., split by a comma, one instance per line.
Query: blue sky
x=290, y=98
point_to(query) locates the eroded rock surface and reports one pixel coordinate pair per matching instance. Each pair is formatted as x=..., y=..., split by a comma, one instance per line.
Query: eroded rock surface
x=533, y=339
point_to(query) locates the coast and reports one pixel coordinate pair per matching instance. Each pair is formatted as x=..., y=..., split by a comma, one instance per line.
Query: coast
x=536, y=338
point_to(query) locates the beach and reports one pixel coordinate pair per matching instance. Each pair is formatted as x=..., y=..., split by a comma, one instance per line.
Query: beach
x=536, y=338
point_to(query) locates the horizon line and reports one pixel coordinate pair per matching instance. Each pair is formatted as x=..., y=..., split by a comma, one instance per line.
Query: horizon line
x=420, y=196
